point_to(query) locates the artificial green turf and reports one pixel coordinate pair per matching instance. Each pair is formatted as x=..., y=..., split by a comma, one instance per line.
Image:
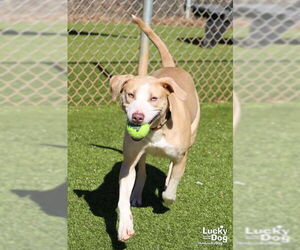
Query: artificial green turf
x=266, y=161
x=33, y=161
x=95, y=138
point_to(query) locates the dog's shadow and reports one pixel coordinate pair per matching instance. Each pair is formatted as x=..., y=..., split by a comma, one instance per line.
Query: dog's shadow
x=103, y=201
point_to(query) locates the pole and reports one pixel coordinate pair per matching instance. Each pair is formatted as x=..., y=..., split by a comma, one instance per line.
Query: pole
x=144, y=47
x=188, y=8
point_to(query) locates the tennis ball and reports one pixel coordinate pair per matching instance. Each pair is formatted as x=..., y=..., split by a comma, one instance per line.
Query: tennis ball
x=138, y=131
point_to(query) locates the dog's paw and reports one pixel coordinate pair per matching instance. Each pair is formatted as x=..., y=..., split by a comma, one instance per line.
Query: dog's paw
x=136, y=201
x=125, y=231
x=168, y=197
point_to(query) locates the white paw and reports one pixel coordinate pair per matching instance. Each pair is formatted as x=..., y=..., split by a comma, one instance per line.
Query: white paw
x=168, y=197
x=125, y=231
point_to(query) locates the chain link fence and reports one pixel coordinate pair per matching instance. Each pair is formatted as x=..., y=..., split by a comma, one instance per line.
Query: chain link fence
x=103, y=42
x=266, y=61
x=257, y=51
x=32, y=52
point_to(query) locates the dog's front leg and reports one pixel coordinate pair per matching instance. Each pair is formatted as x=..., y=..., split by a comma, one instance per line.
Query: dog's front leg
x=126, y=182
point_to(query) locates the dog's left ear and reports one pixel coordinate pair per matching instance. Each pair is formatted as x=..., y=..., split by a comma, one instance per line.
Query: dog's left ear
x=117, y=83
x=171, y=86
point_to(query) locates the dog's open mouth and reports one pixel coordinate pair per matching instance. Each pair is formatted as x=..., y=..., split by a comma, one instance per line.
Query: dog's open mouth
x=154, y=119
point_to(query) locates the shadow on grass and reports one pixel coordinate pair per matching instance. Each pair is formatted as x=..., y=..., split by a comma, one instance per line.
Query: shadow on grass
x=53, y=202
x=103, y=201
x=201, y=41
x=85, y=33
x=106, y=147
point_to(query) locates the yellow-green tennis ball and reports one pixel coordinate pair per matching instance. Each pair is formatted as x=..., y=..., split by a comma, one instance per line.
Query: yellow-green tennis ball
x=138, y=131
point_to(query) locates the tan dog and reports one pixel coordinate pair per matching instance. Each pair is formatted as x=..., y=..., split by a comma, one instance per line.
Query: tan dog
x=168, y=101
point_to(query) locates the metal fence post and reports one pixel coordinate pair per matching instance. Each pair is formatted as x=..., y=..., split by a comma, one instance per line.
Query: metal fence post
x=188, y=8
x=144, y=47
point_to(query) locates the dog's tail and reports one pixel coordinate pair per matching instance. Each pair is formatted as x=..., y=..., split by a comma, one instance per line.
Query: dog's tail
x=167, y=60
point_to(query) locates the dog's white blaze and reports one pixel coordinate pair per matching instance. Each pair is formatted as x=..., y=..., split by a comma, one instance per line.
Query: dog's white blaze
x=141, y=104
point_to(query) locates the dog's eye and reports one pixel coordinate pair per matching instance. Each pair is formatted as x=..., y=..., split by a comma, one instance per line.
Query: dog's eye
x=153, y=98
x=130, y=95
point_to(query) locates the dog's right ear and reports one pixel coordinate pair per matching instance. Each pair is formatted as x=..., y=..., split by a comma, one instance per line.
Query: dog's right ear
x=117, y=83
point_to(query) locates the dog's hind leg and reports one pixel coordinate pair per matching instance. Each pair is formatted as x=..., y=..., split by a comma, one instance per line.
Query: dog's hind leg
x=177, y=172
x=136, y=196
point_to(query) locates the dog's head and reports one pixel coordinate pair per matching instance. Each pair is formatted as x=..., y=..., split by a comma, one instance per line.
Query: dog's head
x=144, y=98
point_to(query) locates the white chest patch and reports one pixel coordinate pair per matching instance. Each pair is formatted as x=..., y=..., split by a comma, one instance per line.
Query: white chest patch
x=158, y=146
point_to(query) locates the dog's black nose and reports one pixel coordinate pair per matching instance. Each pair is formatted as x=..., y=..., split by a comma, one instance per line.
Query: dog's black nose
x=138, y=118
